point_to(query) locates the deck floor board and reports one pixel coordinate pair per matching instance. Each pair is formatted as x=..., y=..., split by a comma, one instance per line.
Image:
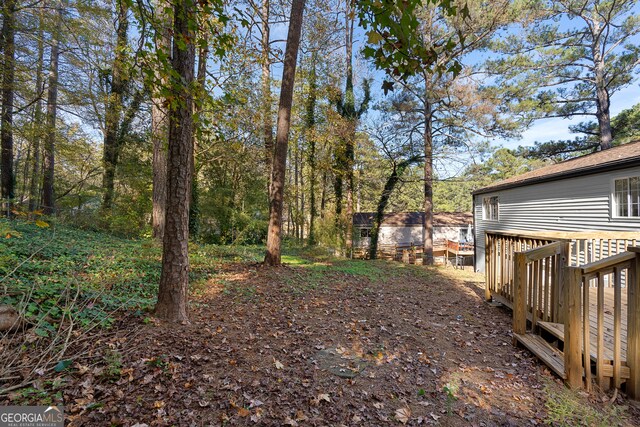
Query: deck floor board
x=558, y=329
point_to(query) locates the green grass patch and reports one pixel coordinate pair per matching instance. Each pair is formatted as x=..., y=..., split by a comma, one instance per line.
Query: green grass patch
x=566, y=408
x=295, y=260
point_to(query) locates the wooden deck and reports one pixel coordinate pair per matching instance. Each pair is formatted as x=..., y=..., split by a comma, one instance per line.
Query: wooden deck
x=582, y=296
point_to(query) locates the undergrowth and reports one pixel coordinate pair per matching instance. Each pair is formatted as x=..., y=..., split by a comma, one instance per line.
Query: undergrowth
x=65, y=282
x=40, y=268
x=565, y=407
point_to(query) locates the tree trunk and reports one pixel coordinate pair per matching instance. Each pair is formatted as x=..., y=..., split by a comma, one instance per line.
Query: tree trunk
x=296, y=190
x=323, y=194
x=34, y=185
x=160, y=129
x=603, y=103
x=389, y=186
x=267, y=119
x=276, y=192
x=48, y=200
x=302, y=213
x=428, y=181
x=310, y=122
x=111, y=149
x=7, y=179
x=352, y=117
x=382, y=205
x=201, y=78
x=174, y=279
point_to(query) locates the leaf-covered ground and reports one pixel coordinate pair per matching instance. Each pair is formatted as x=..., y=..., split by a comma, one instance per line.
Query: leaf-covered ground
x=319, y=342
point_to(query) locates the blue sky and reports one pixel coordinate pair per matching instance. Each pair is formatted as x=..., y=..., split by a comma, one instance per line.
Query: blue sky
x=549, y=129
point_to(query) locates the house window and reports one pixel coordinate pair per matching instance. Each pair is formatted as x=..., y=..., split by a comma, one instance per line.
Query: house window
x=365, y=232
x=490, y=208
x=627, y=197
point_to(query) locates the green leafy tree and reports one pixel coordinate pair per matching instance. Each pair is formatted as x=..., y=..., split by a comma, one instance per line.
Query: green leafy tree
x=434, y=92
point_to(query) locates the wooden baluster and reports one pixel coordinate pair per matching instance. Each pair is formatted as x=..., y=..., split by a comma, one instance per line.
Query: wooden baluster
x=586, y=331
x=502, y=260
x=534, y=283
x=488, y=262
x=633, y=327
x=540, y=286
x=512, y=260
x=494, y=268
x=601, y=249
x=553, y=306
x=617, y=309
x=563, y=262
x=569, y=254
x=600, y=333
x=520, y=297
x=507, y=268
x=531, y=279
x=546, y=308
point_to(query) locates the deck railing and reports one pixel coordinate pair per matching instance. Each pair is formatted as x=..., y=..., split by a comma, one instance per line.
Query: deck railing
x=500, y=249
x=584, y=247
x=537, y=285
x=608, y=331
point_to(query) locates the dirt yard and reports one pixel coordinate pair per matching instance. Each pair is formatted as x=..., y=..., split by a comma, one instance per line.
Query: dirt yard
x=322, y=342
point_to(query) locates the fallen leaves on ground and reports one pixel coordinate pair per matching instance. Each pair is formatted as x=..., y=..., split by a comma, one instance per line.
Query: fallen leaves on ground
x=434, y=353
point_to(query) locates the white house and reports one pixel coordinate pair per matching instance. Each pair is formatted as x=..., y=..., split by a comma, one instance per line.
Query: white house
x=599, y=191
x=404, y=228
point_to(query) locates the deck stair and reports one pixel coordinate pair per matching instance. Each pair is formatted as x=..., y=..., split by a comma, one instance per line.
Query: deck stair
x=557, y=331
x=550, y=355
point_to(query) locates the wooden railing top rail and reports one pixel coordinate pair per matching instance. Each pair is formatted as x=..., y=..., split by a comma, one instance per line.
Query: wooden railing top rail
x=606, y=263
x=567, y=235
x=541, y=252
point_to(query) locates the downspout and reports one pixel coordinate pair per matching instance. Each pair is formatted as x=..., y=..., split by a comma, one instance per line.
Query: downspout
x=475, y=235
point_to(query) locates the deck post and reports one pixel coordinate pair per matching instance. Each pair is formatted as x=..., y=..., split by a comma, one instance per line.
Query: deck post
x=573, y=327
x=633, y=326
x=563, y=261
x=520, y=296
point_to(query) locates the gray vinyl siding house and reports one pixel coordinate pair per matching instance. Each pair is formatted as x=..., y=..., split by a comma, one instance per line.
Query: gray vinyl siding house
x=576, y=195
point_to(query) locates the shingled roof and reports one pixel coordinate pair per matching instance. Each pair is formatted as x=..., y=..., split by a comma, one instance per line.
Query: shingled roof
x=620, y=157
x=408, y=219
